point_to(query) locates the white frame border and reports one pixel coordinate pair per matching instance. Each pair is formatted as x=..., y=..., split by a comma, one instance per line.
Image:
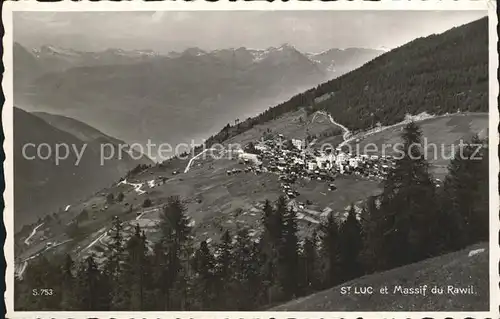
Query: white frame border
x=7, y=116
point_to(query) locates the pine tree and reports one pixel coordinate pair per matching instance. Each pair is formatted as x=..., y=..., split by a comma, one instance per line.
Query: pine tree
x=120, y=295
x=224, y=261
x=160, y=277
x=120, y=197
x=289, y=256
x=309, y=259
x=68, y=284
x=137, y=270
x=329, y=242
x=204, y=267
x=246, y=269
x=409, y=222
x=110, y=198
x=465, y=215
x=91, y=295
x=373, y=223
x=272, y=246
x=350, y=245
x=116, y=247
x=267, y=248
x=176, y=232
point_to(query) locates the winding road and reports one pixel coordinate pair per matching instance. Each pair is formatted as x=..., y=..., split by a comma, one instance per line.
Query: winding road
x=346, y=135
x=27, y=240
x=415, y=118
x=137, y=186
x=25, y=262
x=105, y=232
x=345, y=130
x=188, y=166
x=146, y=211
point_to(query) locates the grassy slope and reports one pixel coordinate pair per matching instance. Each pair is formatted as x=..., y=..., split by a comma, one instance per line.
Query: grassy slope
x=221, y=195
x=457, y=269
x=441, y=131
x=211, y=196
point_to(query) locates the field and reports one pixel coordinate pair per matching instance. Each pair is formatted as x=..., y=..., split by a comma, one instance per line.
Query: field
x=440, y=131
x=296, y=125
x=214, y=201
x=213, y=198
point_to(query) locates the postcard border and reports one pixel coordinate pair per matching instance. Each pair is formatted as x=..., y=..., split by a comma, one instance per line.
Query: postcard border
x=7, y=121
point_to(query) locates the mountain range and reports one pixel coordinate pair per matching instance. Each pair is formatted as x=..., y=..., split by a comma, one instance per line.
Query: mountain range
x=140, y=95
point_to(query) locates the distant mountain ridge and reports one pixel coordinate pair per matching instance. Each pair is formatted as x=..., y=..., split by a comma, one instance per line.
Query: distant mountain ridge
x=158, y=98
x=57, y=59
x=341, y=61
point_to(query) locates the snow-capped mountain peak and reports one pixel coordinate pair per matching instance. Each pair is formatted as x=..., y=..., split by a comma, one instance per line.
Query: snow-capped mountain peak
x=194, y=51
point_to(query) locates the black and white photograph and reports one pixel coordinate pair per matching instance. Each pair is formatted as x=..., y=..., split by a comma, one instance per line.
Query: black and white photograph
x=251, y=161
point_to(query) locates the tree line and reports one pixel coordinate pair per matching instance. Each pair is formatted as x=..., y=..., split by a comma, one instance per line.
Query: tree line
x=412, y=219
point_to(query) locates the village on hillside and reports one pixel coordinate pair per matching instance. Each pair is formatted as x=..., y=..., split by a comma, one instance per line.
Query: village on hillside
x=292, y=159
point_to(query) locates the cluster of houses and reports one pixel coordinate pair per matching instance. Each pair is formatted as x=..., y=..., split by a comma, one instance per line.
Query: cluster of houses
x=290, y=159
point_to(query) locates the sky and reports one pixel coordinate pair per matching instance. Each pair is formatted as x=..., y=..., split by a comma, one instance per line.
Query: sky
x=309, y=31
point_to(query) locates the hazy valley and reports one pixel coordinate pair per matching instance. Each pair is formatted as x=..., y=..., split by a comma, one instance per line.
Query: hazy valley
x=180, y=97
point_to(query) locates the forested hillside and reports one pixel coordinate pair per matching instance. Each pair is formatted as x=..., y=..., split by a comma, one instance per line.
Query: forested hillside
x=438, y=74
x=461, y=269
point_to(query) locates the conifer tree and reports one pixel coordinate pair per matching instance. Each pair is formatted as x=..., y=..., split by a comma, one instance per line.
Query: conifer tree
x=267, y=248
x=329, y=242
x=224, y=271
x=120, y=295
x=160, y=277
x=92, y=296
x=350, y=246
x=274, y=252
x=372, y=229
x=246, y=270
x=138, y=271
x=68, y=300
x=175, y=230
x=465, y=213
x=409, y=221
x=309, y=264
x=289, y=256
x=204, y=267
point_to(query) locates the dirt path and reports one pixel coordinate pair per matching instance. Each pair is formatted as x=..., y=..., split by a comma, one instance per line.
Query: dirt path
x=345, y=130
x=188, y=166
x=137, y=186
x=146, y=211
x=25, y=262
x=95, y=241
x=27, y=240
x=347, y=138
